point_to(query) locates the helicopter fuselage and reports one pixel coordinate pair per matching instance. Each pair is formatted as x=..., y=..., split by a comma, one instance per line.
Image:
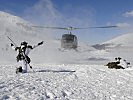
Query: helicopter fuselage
x=69, y=41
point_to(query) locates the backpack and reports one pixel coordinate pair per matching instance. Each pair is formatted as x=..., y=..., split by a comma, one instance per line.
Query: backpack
x=21, y=55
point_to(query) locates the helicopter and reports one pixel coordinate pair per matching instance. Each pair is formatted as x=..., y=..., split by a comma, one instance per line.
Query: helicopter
x=70, y=41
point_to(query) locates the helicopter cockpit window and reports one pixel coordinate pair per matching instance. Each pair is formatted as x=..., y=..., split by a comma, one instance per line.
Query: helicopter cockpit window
x=68, y=38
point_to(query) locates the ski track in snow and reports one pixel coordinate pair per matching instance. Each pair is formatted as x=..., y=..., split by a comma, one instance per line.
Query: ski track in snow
x=66, y=82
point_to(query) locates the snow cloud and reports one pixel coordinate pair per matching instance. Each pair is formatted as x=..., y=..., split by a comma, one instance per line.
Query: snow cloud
x=128, y=14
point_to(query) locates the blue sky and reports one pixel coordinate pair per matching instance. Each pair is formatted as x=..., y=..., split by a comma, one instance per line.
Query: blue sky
x=76, y=13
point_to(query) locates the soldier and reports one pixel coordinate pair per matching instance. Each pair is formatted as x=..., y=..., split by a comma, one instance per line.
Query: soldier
x=22, y=56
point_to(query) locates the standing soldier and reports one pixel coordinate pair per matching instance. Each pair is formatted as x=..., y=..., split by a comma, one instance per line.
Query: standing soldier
x=22, y=56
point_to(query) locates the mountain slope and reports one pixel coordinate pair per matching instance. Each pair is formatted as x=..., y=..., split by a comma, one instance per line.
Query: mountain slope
x=125, y=40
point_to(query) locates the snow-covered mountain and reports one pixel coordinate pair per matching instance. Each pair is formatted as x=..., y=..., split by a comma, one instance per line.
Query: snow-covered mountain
x=124, y=40
x=120, y=46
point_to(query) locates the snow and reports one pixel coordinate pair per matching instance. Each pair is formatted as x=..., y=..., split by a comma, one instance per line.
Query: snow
x=66, y=82
x=62, y=75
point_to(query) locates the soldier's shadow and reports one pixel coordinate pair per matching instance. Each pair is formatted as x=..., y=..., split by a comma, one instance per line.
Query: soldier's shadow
x=57, y=71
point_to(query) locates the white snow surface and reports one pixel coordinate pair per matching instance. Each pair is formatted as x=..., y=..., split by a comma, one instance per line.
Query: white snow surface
x=58, y=74
x=66, y=82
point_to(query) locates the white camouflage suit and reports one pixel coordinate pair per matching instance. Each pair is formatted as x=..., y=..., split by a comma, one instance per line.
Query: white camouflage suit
x=24, y=49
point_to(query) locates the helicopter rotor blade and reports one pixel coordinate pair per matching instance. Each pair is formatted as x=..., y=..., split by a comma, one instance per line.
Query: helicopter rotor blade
x=73, y=28
x=104, y=27
x=68, y=28
x=50, y=27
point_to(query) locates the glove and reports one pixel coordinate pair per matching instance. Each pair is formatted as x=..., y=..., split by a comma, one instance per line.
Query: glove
x=12, y=44
x=40, y=43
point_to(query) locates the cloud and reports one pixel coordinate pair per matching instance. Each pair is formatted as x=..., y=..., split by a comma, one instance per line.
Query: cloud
x=123, y=25
x=128, y=14
x=43, y=12
x=125, y=28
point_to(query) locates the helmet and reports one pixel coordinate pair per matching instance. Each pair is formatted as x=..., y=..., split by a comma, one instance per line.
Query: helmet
x=24, y=43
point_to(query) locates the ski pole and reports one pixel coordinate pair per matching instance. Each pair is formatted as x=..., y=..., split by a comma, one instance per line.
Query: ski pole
x=12, y=41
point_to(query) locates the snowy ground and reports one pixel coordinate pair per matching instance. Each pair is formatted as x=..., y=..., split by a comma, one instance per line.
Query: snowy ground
x=66, y=82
